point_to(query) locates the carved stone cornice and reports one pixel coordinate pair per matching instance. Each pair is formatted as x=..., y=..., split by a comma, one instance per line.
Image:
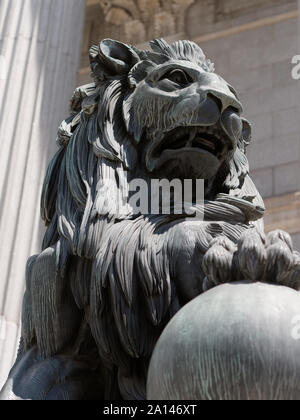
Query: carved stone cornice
x=137, y=21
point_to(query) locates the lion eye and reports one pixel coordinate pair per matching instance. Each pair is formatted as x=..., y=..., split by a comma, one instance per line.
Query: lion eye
x=179, y=77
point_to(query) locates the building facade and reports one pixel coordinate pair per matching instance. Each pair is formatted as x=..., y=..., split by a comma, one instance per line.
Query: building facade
x=44, y=55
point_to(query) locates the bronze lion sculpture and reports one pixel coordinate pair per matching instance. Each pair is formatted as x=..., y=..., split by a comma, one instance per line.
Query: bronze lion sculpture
x=106, y=284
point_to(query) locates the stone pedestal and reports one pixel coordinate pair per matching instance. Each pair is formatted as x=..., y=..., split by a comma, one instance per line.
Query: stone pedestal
x=40, y=43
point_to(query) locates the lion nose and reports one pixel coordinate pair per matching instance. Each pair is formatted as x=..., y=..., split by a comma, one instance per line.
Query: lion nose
x=212, y=84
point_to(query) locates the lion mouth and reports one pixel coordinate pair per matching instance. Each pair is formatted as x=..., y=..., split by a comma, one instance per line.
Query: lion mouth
x=207, y=139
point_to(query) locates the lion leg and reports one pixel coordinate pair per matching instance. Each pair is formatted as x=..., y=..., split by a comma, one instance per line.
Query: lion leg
x=47, y=366
x=50, y=316
x=255, y=257
x=60, y=377
x=132, y=381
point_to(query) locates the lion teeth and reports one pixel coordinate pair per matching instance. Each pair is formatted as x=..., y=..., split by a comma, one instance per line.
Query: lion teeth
x=209, y=138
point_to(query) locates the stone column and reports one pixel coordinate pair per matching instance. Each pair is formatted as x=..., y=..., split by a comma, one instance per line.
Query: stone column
x=40, y=43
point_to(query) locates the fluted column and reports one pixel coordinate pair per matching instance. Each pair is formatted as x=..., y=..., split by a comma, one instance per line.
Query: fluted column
x=40, y=43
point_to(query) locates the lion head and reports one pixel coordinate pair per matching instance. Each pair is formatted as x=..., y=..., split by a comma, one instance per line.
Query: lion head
x=152, y=114
x=163, y=113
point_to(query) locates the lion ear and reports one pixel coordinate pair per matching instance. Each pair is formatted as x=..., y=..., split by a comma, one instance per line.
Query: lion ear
x=115, y=58
x=246, y=133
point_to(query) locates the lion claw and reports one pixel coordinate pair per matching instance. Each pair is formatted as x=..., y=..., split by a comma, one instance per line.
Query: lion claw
x=255, y=257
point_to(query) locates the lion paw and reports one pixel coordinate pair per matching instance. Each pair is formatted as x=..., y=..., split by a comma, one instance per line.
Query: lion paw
x=217, y=262
x=255, y=257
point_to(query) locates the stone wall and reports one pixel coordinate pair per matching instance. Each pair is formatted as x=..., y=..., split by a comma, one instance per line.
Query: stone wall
x=296, y=239
x=208, y=16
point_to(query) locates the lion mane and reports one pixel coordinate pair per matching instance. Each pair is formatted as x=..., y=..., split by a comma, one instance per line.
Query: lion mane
x=105, y=281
